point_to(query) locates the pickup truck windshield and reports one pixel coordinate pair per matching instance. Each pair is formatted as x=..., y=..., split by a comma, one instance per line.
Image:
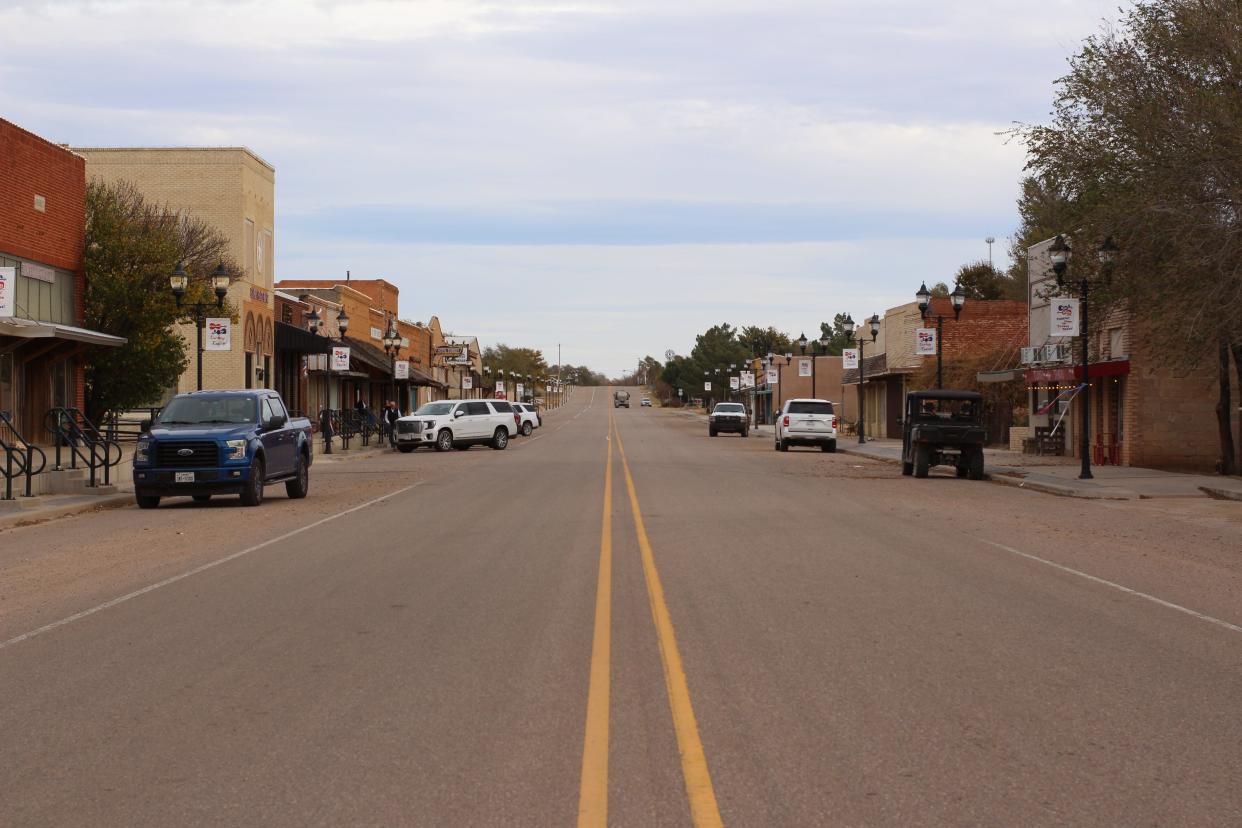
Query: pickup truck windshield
x=730, y=408
x=435, y=409
x=221, y=410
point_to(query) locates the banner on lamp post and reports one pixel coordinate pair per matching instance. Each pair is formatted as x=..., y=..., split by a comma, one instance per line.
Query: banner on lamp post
x=401, y=369
x=804, y=367
x=1064, y=316
x=748, y=379
x=774, y=376
x=467, y=383
x=219, y=334
x=518, y=391
x=340, y=359
x=707, y=386
x=735, y=383
x=849, y=359
x=925, y=341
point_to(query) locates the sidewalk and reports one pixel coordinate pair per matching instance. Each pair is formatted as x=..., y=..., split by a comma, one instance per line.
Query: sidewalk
x=1059, y=475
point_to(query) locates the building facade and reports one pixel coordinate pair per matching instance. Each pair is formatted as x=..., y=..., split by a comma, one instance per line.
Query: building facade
x=232, y=190
x=42, y=240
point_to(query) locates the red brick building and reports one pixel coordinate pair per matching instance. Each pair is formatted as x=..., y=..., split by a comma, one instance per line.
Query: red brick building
x=42, y=233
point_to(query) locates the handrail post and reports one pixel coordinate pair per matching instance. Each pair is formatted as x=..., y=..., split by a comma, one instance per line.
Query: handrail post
x=8, y=474
x=29, y=465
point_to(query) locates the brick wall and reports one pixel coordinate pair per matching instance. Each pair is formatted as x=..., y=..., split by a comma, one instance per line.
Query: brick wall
x=29, y=167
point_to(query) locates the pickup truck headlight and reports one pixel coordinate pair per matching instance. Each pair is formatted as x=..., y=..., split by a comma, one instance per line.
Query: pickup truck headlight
x=236, y=450
x=142, y=453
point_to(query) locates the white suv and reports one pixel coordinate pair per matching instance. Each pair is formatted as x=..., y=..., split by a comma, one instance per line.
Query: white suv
x=806, y=423
x=450, y=424
x=529, y=418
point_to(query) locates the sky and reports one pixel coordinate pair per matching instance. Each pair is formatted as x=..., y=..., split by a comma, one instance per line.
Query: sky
x=611, y=175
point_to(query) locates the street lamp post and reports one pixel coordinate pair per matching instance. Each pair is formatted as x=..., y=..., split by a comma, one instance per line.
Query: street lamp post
x=874, y=322
x=818, y=347
x=392, y=345
x=179, y=281
x=958, y=296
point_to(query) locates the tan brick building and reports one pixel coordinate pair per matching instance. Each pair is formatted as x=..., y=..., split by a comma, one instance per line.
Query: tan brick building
x=233, y=190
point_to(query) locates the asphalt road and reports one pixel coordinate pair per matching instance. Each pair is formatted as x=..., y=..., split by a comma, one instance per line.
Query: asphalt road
x=624, y=619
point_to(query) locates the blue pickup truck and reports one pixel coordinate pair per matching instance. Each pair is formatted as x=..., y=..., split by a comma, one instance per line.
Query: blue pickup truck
x=222, y=442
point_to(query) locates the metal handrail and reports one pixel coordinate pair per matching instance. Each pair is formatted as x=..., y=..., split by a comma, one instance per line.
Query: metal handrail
x=119, y=428
x=70, y=428
x=17, y=449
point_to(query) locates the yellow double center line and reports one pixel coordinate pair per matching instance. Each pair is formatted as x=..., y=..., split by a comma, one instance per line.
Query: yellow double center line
x=593, y=797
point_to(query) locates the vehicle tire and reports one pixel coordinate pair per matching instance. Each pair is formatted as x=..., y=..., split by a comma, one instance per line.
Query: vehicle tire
x=832, y=446
x=825, y=448
x=784, y=445
x=297, y=488
x=907, y=469
x=975, y=470
x=444, y=440
x=746, y=432
x=405, y=449
x=146, y=501
x=777, y=445
x=500, y=439
x=961, y=468
x=527, y=429
x=922, y=461
x=252, y=495
x=202, y=498
x=711, y=432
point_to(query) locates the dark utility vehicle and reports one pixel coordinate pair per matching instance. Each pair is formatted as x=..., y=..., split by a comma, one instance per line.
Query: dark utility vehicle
x=943, y=428
x=222, y=442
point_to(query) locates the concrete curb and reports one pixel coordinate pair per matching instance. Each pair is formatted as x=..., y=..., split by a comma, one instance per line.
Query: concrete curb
x=1062, y=491
x=857, y=453
x=42, y=514
x=1220, y=494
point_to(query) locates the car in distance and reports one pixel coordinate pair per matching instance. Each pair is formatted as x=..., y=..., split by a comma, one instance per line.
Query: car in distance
x=645, y=402
x=621, y=399
x=450, y=424
x=529, y=419
x=943, y=428
x=207, y=443
x=728, y=417
x=806, y=422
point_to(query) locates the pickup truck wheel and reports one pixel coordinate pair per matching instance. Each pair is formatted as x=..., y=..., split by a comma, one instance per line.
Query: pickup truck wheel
x=974, y=470
x=784, y=445
x=147, y=501
x=444, y=440
x=300, y=484
x=922, y=461
x=500, y=439
x=252, y=495
x=405, y=449
x=711, y=432
x=527, y=428
x=202, y=498
x=907, y=469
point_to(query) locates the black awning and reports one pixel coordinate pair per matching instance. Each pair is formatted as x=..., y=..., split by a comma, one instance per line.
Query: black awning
x=363, y=355
x=296, y=340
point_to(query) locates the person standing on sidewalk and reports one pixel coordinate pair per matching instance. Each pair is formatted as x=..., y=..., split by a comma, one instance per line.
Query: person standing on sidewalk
x=391, y=415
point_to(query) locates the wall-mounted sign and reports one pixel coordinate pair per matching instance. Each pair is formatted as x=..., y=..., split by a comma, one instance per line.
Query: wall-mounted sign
x=219, y=335
x=1064, y=316
x=804, y=368
x=8, y=291
x=340, y=359
x=258, y=294
x=925, y=341
x=849, y=359
x=401, y=369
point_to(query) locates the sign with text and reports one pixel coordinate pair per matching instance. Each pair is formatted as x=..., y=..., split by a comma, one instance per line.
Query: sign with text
x=340, y=359
x=1064, y=316
x=467, y=383
x=519, y=390
x=804, y=368
x=849, y=359
x=734, y=383
x=8, y=291
x=925, y=341
x=774, y=376
x=219, y=335
x=500, y=389
x=748, y=379
x=401, y=369
x=707, y=386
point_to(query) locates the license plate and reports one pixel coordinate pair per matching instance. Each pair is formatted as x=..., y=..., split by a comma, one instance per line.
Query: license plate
x=183, y=477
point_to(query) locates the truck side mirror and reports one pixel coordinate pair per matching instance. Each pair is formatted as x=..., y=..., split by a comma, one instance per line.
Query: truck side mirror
x=274, y=422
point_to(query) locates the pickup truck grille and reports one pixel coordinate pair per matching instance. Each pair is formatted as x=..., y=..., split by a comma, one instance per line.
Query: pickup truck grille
x=409, y=426
x=201, y=454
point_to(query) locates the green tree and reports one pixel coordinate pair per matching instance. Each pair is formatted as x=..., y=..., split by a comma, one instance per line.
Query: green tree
x=132, y=247
x=838, y=339
x=759, y=341
x=980, y=280
x=514, y=360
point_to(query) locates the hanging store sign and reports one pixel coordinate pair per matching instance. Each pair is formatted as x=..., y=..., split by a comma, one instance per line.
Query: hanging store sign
x=1064, y=316
x=804, y=367
x=401, y=369
x=219, y=335
x=734, y=383
x=8, y=291
x=925, y=341
x=849, y=359
x=340, y=359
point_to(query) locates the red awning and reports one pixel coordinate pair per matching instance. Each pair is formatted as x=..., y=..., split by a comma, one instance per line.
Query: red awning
x=1113, y=368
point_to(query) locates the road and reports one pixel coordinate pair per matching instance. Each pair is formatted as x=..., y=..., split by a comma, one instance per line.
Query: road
x=623, y=619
